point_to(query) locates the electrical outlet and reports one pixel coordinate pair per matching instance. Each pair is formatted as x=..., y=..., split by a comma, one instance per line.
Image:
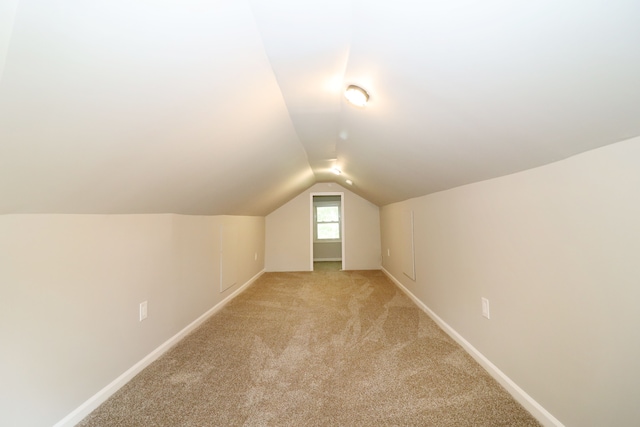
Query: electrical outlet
x=143, y=310
x=485, y=308
x=388, y=252
x=255, y=256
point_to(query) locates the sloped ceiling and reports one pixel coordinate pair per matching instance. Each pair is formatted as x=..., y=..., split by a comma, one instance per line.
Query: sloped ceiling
x=236, y=106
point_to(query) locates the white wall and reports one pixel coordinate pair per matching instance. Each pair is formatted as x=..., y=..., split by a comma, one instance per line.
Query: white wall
x=70, y=288
x=327, y=251
x=556, y=250
x=288, y=230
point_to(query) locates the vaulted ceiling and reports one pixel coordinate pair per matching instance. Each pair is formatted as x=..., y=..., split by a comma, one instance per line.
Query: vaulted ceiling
x=236, y=106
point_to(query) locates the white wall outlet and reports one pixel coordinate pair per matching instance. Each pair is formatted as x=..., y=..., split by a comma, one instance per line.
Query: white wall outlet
x=143, y=310
x=255, y=256
x=388, y=252
x=485, y=308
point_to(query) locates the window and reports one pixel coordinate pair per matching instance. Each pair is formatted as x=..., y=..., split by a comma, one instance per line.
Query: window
x=327, y=221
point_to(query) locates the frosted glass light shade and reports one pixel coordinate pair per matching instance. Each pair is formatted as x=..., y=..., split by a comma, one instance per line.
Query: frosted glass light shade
x=356, y=95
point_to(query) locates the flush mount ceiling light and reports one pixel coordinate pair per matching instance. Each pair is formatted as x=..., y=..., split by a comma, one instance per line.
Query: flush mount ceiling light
x=349, y=182
x=336, y=171
x=356, y=95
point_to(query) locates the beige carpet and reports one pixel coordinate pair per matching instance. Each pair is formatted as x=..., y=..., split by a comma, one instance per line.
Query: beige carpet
x=314, y=349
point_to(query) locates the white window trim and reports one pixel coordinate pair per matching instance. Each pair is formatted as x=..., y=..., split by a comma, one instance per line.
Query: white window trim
x=315, y=222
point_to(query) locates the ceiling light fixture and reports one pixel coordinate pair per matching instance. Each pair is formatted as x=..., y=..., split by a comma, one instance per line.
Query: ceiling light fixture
x=336, y=171
x=349, y=182
x=356, y=95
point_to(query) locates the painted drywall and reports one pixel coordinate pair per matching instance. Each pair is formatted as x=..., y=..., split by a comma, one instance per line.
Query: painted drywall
x=288, y=230
x=70, y=291
x=7, y=16
x=327, y=251
x=555, y=251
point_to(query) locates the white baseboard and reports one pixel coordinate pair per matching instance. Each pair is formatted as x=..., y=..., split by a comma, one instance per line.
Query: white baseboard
x=97, y=399
x=326, y=259
x=541, y=414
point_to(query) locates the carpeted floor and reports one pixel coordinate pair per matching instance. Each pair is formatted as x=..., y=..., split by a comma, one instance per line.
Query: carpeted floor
x=314, y=349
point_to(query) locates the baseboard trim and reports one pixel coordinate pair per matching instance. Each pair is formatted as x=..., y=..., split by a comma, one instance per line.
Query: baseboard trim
x=97, y=399
x=537, y=410
x=326, y=259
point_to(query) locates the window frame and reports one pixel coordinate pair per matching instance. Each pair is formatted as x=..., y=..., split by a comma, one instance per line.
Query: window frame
x=336, y=204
